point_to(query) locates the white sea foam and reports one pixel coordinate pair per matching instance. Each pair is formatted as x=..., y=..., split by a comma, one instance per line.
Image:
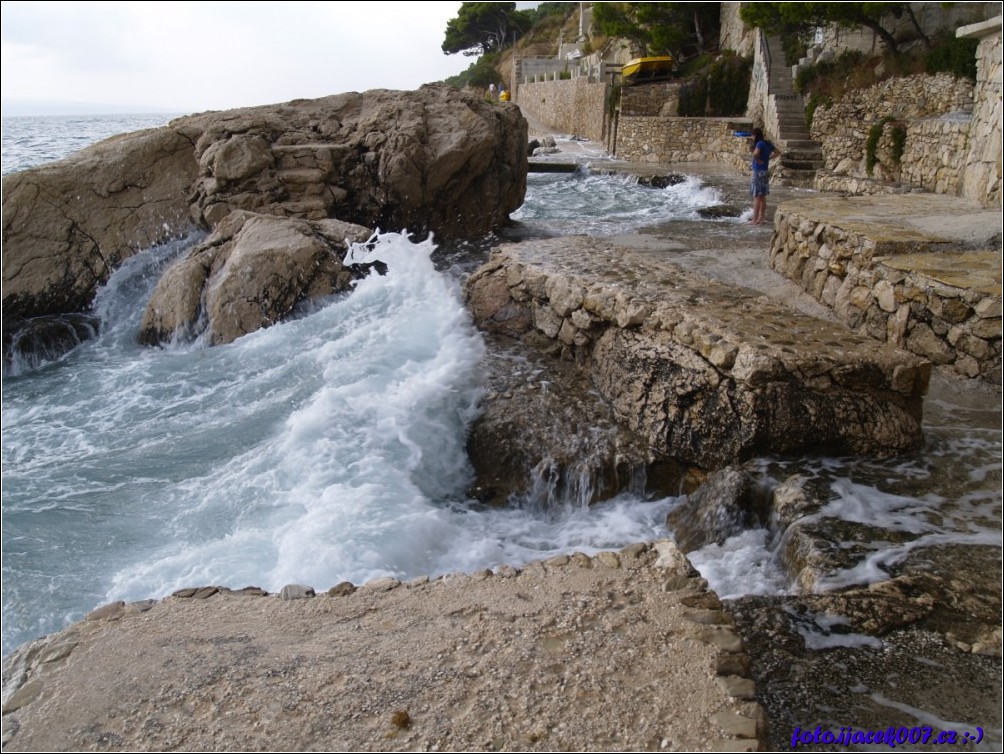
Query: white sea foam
x=744, y=564
x=607, y=205
x=322, y=449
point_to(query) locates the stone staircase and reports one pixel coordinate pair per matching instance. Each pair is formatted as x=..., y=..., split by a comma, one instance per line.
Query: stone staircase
x=801, y=157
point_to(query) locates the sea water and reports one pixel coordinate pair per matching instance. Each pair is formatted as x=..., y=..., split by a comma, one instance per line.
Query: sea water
x=331, y=447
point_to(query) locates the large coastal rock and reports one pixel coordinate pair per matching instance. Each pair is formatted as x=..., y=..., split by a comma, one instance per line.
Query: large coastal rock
x=706, y=373
x=435, y=159
x=250, y=273
x=69, y=224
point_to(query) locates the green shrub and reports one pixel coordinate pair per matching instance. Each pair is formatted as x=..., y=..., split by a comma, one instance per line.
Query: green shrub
x=479, y=74
x=804, y=78
x=729, y=85
x=719, y=89
x=815, y=100
x=871, y=145
x=952, y=55
x=693, y=98
x=564, y=75
x=898, y=137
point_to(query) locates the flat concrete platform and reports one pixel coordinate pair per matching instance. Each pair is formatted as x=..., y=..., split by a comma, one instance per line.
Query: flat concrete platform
x=976, y=270
x=907, y=222
x=708, y=373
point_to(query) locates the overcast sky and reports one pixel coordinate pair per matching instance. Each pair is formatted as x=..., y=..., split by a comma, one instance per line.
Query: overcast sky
x=192, y=56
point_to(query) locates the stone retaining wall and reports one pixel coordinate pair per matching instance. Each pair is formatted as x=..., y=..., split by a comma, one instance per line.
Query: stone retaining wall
x=643, y=138
x=659, y=98
x=981, y=178
x=571, y=106
x=705, y=373
x=842, y=128
x=894, y=288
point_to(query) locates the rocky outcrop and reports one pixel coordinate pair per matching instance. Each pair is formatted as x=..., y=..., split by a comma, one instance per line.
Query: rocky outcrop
x=69, y=224
x=250, y=273
x=705, y=373
x=725, y=504
x=434, y=159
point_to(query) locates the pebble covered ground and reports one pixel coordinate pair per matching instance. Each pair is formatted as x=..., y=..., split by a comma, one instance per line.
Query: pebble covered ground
x=619, y=651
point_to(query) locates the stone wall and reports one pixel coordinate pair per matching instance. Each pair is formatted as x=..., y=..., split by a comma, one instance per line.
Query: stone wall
x=934, y=156
x=643, y=138
x=981, y=178
x=759, y=88
x=571, y=106
x=658, y=98
x=705, y=373
x=892, y=286
x=934, y=111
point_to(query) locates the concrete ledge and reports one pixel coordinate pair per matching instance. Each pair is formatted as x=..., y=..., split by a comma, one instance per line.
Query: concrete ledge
x=707, y=373
x=917, y=271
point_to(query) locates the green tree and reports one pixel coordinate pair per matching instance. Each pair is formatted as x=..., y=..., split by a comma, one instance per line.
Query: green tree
x=679, y=29
x=803, y=16
x=483, y=28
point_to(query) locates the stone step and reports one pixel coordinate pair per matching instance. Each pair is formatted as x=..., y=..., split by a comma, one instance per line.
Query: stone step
x=807, y=166
x=706, y=372
x=797, y=178
x=808, y=159
x=807, y=145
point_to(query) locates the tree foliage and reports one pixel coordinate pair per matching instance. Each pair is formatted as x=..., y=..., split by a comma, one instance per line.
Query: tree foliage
x=484, y=28
x=787, y=17
x=479, y=74
x=679, y=29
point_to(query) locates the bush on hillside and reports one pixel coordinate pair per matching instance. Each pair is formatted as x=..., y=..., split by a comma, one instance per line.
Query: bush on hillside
x=718, y=90
x=479, y=74
x=952, y=55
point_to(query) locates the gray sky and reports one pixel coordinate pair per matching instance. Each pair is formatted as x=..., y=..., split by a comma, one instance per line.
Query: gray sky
x=193, y=56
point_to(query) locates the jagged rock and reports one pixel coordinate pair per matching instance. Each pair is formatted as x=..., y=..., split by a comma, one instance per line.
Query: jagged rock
x=719, y=211
x=30, y=343
x=661, y=181
x=724, y=505
x=250, y=273
x=550, y=446
x=67, y=225
x=435, y=159
x=705, y=373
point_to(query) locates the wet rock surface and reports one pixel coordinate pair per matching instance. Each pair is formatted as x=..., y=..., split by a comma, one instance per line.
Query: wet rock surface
x=911, y=678
x=251, y=272
x=705, y=373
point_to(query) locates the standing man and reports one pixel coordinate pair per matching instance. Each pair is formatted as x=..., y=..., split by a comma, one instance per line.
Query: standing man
x=763, y=152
